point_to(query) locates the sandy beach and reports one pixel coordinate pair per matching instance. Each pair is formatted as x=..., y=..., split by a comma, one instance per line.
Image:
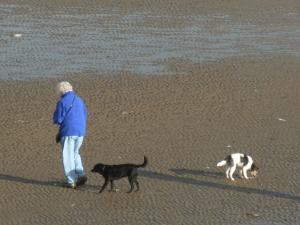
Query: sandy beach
x=184, y=123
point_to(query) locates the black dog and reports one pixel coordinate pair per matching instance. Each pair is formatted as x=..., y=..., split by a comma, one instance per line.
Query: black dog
x=115, y=172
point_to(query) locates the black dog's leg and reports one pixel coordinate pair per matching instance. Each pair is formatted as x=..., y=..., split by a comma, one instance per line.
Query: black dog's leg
x=104, y=185
x=137, y=185
x=134, y=180
x=131, y=184
x=111, y=185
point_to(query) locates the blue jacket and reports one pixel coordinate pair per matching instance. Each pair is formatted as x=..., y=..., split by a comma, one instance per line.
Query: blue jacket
x=71, y=115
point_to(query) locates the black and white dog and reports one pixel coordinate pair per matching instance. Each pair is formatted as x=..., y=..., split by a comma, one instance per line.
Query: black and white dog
x=239, y=160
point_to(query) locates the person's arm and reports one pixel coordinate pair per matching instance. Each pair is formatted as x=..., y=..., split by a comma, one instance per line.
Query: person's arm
x=58, y=115
x=85, y=113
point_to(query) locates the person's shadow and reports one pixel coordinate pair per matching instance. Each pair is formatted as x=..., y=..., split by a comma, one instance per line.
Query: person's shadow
x=177, y=178
x=203, y=173
x=30, y=181
x=57, y=183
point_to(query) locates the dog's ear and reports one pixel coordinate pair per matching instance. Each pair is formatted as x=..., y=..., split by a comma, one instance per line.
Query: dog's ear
x=94, y=169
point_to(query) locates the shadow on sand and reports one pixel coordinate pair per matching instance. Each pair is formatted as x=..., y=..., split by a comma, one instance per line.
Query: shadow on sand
x=169, y=178
x=213, y=185
x=58, y=184
x=204, y=173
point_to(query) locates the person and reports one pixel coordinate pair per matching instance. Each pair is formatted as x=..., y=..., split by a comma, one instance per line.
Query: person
x=71, y=116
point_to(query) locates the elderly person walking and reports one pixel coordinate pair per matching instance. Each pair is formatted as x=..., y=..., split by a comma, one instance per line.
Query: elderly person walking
x=71, y=116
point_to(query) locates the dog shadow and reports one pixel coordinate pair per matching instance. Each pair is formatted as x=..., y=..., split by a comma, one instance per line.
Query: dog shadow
x=213, y=185
x=203, y=173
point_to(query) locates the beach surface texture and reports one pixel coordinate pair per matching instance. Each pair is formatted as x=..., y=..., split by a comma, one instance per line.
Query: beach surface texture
x=184, y=113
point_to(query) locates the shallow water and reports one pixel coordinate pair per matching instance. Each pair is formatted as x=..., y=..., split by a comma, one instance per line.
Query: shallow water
x=101, y=41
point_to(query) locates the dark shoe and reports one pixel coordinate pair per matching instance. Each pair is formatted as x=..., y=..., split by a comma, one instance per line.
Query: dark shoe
x=81, y=180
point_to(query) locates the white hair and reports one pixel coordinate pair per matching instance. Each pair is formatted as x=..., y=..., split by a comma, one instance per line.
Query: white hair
x=63, y=87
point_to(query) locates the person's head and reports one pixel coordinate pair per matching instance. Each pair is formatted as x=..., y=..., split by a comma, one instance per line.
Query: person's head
x=63, y=87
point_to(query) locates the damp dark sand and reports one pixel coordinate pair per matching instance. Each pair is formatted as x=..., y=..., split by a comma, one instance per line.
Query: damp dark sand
x=139, y=37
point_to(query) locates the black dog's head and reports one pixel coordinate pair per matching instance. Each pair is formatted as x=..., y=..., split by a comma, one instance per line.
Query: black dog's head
x=254, y=170
x=98, y=168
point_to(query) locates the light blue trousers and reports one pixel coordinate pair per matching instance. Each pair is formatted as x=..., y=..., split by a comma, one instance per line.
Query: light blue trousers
x=71, y=159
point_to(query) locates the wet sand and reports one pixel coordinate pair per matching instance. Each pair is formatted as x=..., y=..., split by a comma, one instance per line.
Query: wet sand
x=139, y=37
x=182, y=123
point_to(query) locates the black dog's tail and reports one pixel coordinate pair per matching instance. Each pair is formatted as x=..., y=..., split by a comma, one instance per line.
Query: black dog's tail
x=144, y=163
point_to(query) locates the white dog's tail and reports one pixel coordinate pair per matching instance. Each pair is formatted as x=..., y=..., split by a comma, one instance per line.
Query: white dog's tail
x=222, y=163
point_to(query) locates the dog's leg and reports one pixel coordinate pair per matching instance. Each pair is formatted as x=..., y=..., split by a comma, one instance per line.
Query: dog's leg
x=241, y=173
x=104, y=185
x=131, y=184
x=245, y=169
x=136, y=183
x=111, y=185
x=227, y=172
x=232, y=169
